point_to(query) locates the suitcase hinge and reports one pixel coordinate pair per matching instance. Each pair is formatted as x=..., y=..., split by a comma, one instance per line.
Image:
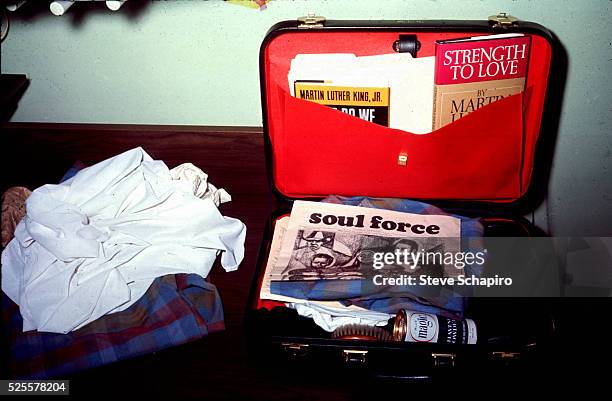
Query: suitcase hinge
x=443, y=360
x=311, y=21
x=503, y=21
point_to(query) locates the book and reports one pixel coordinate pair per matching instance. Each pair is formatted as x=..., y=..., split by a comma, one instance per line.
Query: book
x=367, y=103
x=473, y=72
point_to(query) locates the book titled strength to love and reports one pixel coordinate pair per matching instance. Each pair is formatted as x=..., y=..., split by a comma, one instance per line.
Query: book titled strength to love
x=473, y=72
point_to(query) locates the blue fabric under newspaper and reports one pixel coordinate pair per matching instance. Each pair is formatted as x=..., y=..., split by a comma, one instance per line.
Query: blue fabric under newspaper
x=443, y=300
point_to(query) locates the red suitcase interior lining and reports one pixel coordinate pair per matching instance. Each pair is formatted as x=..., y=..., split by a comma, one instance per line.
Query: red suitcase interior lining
x=487, y=155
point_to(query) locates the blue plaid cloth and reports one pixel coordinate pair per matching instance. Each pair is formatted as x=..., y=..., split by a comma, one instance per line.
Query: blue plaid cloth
x=431, y=299
x=176, y=309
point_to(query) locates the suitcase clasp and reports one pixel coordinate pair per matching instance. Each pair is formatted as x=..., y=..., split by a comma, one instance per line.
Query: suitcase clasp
x=295, y=350
x=355, y=357
x=443, y=360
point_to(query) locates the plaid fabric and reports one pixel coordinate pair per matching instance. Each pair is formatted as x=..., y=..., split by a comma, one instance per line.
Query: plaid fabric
x=389, y=299
x=176, y=309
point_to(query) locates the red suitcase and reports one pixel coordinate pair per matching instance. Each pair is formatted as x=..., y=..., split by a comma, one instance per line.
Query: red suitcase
x=493, y=163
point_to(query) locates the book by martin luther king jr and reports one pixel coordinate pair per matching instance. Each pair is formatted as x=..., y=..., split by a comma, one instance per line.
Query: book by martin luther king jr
x=473, y=72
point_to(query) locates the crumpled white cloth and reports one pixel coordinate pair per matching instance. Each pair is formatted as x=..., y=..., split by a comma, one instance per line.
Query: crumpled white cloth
x=330, y=318
x=94, y=244
x=199, y=181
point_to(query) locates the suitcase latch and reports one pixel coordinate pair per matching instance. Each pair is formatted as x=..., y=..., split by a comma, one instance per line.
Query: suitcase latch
x=295, y=350
x=503, y=20
x=443, y=360
x=355, y=357
x=311, y=21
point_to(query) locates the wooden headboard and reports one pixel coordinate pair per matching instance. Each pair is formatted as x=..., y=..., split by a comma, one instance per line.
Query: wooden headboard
x=34, y=154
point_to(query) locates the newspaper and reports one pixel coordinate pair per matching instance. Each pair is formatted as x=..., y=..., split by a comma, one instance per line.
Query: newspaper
x=327, y=314
x=324, y=241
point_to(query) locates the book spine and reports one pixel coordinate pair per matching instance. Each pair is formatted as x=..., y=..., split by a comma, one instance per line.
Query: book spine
x=434, y=114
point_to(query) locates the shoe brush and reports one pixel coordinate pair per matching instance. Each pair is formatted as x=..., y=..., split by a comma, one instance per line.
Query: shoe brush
x=361, y=332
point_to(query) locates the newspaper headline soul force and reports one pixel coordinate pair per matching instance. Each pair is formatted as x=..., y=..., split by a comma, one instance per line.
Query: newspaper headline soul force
x=376, y=222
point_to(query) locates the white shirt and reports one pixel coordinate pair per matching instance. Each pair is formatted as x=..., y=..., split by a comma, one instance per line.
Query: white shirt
x=94, y=244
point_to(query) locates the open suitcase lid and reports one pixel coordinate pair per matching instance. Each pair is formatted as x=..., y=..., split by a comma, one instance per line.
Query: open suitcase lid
x=485, y=158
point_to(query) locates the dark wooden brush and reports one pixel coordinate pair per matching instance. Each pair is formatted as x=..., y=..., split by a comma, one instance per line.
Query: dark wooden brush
x=361, y=332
